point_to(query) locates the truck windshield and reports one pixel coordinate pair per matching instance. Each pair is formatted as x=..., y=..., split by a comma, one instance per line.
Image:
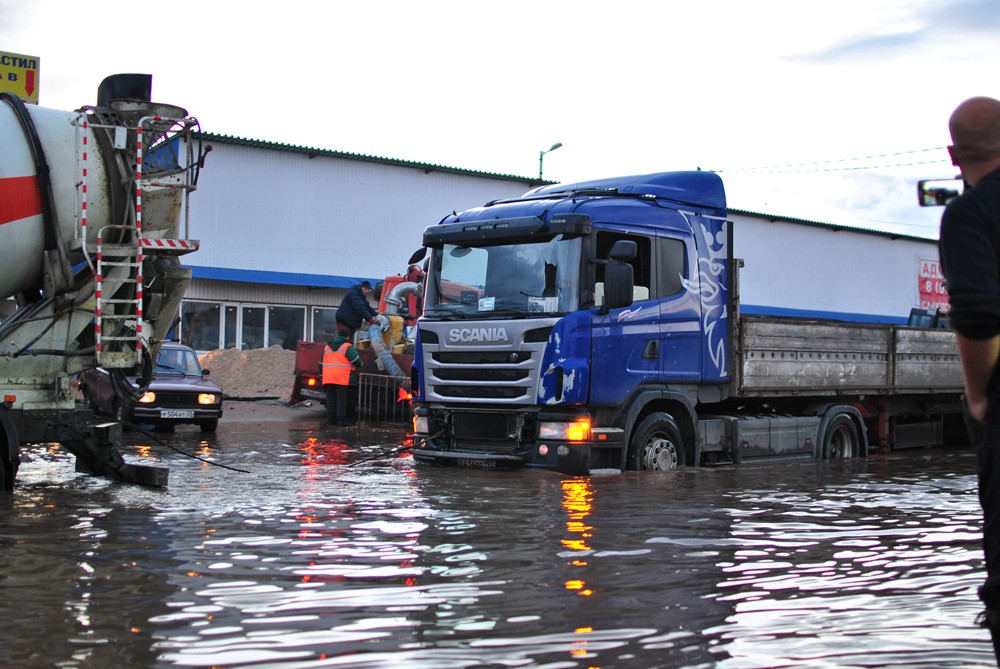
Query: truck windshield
x=502, y=281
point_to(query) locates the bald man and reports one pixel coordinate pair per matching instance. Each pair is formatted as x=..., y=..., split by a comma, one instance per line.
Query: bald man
x=970, y=258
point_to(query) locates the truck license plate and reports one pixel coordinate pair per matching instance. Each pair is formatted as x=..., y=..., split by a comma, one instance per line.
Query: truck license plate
x=176, y=413
x=471, y=462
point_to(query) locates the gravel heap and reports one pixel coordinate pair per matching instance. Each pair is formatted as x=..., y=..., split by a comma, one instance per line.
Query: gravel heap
x=257, y=373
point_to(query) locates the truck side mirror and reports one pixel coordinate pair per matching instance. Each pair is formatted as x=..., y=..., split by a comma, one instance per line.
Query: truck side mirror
x=938, y=192
x=619, y=284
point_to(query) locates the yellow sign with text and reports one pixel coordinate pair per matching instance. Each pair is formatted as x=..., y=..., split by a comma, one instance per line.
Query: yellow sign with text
x=19, y=75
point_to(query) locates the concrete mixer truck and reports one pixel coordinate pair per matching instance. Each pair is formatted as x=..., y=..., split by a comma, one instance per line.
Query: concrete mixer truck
x=93, y=204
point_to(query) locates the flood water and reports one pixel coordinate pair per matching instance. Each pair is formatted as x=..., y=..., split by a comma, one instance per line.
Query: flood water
x=334, y=550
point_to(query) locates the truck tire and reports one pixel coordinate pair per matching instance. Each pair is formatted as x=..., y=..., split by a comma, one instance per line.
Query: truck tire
x=841, y=440
x=656, y=444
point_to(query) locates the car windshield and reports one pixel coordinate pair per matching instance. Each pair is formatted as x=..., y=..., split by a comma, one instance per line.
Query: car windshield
x=178, y=361
x=505, y=280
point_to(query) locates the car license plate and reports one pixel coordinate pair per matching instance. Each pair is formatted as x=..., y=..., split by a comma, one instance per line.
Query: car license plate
x=176, y=413
x=472, y=462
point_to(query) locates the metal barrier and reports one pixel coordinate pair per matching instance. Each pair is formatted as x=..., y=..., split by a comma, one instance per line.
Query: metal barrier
x=383, y=399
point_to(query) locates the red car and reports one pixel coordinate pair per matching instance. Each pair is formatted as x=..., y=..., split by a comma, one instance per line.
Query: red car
x=179, y=393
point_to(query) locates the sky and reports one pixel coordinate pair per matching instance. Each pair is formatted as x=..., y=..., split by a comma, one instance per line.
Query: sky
x=825, y=111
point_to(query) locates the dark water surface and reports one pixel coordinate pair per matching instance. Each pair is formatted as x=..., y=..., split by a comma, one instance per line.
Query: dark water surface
x=332, y=552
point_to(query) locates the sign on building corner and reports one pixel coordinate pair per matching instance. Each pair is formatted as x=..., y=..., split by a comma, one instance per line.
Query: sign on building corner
x=931, y=292
x=19, y=75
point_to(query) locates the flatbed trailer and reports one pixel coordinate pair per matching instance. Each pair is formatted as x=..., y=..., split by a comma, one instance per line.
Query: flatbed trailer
x=600, y=325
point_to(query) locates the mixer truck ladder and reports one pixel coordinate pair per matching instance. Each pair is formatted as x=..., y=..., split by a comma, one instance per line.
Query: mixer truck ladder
x=118, y=259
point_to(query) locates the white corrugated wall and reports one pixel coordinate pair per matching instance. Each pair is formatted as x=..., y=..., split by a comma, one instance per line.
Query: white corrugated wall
x=270, y=210
x=832, y=271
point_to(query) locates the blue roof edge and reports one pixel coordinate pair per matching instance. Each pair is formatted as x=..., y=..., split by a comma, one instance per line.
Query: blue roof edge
x=280, y=278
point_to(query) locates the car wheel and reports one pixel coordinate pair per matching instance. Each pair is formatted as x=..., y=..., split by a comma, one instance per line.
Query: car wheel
x=209, y=426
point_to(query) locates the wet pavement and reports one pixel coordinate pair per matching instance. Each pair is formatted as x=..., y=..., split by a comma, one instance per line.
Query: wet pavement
x=329, y=547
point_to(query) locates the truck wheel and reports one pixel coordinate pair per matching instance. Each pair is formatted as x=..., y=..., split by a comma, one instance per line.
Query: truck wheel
x=656, y=444
x=841, y=441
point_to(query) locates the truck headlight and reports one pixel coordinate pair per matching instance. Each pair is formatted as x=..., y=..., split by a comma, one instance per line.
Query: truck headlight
x=578, y=430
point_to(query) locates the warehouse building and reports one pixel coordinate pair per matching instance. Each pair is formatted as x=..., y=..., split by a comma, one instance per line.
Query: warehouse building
x=285, y=230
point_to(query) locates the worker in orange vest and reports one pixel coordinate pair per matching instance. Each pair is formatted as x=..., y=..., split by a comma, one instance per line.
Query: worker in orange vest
x=339, y=370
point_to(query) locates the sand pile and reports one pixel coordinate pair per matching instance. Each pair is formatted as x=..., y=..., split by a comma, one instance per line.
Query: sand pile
x=262, y=372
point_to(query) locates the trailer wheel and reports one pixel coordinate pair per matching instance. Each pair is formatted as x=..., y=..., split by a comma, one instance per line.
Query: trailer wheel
x=656, y=444
x=841, y=441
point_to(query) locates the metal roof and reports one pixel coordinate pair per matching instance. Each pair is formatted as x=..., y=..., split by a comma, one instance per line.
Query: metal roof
x=313, y=152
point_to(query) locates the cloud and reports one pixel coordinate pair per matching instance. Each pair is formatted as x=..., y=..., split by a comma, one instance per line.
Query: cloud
x=924, y=24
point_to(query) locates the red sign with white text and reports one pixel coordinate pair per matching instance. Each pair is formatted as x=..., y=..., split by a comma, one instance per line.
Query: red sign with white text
x=930, y=285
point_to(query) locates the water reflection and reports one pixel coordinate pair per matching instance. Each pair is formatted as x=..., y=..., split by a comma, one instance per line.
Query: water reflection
x=320, y=549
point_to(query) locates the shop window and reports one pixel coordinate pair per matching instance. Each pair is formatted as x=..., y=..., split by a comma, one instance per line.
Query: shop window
x=200, y=325
x=324, y=324
x=284, y=326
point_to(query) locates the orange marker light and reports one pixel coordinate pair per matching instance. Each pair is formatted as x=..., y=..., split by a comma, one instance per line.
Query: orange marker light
x=578, y=431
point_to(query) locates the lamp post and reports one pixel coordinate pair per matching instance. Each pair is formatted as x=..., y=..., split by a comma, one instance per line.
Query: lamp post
x=541, y=154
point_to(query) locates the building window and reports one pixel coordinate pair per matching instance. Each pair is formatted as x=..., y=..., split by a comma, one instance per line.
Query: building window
x=324, y=324
x=200, y=325
x=285, y=326
x=206, y=326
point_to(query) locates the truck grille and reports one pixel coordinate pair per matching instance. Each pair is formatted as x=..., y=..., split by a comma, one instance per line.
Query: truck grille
x=469, y=392
x=483, y=375
x=480, y=357
x=487, y=432
x=496, y=372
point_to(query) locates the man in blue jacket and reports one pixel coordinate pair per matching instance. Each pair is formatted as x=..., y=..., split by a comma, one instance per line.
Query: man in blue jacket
x=355, y=310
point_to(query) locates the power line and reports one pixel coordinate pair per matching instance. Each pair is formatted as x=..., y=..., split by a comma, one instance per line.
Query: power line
x=836, y=164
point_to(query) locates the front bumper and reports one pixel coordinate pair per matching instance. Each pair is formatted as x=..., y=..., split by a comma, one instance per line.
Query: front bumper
x=144, y=414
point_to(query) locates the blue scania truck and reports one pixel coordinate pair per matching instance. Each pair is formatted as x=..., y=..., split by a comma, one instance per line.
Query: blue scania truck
x=599, y=325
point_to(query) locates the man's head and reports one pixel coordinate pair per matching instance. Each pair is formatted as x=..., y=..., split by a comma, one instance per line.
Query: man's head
x=975, y=136
x=366, y=287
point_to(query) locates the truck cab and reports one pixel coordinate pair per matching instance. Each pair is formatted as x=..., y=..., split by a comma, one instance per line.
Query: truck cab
x=556, y=323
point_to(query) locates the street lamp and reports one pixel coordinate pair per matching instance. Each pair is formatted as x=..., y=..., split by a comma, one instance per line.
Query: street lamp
x=541, y=154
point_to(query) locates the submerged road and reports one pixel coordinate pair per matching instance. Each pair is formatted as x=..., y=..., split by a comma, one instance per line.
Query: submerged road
x=331, y=548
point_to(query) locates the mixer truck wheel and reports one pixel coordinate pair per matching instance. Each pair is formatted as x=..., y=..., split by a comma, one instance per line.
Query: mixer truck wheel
x=656, y=444
x=841, y=441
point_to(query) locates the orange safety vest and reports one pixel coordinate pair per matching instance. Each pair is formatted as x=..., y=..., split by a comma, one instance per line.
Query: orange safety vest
x=336, y=367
